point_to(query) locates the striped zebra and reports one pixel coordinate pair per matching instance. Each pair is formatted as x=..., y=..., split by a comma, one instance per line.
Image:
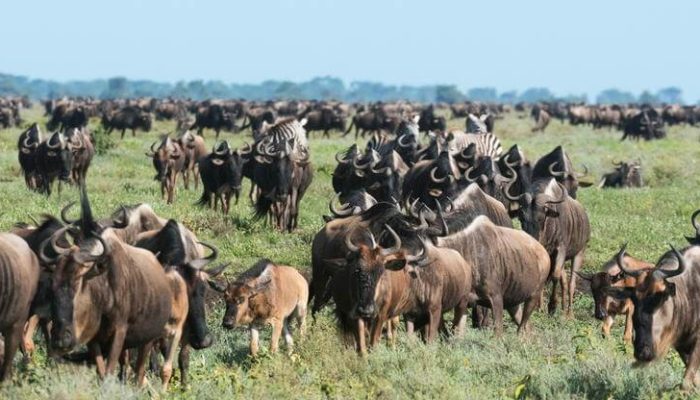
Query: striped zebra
x=487, y=144
x=288, y=130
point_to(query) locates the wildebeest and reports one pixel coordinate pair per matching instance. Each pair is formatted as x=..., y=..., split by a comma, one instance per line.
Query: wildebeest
x=53, y=160
x=66, y=117
x=666, y=309
x=561, y=225
x=493, y=251
x=221, y=173
x=607, y=307
x=541, y=118
x=169, y=160
x=194, y=149
x=646, y=124
x=267, y=293
x=82, y=151
x=129, y=117
x=323, y=119
x=428, y=121
x=106, y=294
x=27, y=145
x=625, y=175
x=19, y=276
x=282, y=172
x=214, y=116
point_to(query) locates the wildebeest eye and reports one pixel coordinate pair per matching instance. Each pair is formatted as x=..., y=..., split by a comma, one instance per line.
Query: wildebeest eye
x=240, y=300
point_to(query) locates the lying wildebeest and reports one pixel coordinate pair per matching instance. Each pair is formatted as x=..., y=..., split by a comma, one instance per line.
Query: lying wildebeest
x=624, y=175
x=267, y=293
x=27, y=145
x=127, y=118
x=19, y=276
x=560, y=224
x=221, y=173
x=169, y=160
x=606, y=307
x=666, y=309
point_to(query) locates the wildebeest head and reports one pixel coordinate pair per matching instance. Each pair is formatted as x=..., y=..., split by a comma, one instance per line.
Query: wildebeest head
x=238, y=294
x=557, y=164
x=58, y=156
x=600, y=283
x=72, y=266
x=696, y=225
x=145, y=121
x=653, y=304
x=163, y=155
x=535, y=207
x=366, y=263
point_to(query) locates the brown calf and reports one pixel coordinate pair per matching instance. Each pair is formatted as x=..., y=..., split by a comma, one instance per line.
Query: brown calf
x=267, y=294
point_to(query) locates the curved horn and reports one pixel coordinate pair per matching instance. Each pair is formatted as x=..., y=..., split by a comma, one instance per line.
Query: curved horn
x=397, y=242
x=360, y=165
x=222, y=152
x=417, y=258
x=696, y=224
x=401, y=143
x=445, y=229
x=553, y=172
x=506, y=192
x=202, y=262
x=48, y=142
x=467, y=175
x=64, y=214
x=248, y=149
x=349, y=244
x=508, y=163
x=124, y=222
x=340, y=159
x=434, y=178
x=53, y=241
x=681, y=265
x=344, y=212
x=620, y=258
x=585, y=172
x=25, y=143
x=617, y=163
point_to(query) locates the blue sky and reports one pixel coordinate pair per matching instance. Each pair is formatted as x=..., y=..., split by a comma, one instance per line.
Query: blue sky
x=567, y=46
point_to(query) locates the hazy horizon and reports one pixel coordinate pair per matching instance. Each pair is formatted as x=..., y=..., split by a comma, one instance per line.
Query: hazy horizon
x=568, y=48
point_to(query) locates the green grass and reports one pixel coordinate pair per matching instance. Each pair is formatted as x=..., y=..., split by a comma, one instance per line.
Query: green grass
x=558, y=359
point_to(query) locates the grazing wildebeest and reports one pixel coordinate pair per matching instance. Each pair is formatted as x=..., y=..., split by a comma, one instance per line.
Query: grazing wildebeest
x=27, y=145
x=129, y=117
x=221, y=173
x=560, y=224
x=53, y=160
x=267, y=293
x=19, y=276
x=624, y=175
x=169, y=160
x=666, y=309
x=497, y=284
x=607, y=307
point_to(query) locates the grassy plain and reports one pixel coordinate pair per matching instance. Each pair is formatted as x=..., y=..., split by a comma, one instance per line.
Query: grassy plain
x=559, y=359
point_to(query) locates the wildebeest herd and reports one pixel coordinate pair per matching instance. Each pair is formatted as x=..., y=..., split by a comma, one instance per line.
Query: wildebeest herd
x=421, y=224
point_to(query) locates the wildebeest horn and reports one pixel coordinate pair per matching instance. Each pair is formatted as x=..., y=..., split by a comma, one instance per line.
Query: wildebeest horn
x=401, y=143
x=434, y=178
x=617, y=163
x=620, y=258
x=152, y=150
x=124, y=221
x=248, y=149
x=48, y=143
x=445, y=229
x=553, y=172
x=202, y=262
x=25, y=143
x=681, y=265
x=506, y=192
x=85, y=257
x=53, y=241
x=696, y=224
x=220, y=152
x=349, y=244
x=397, y=242
x=412, y=258
x=344, y=212
x=64, y=214
x=380, y=170
x=340, y=159
x=508, y=163
x=585, y=172
x=359, y=165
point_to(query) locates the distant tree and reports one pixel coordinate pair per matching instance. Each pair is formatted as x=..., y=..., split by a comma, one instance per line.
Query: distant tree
x=287, y=90
x=508, y=97
x=484, y=94
x=116, y=88
x=533, y=95
x=647, y=98
x=614, y=96
x=670, y=95
x=448, y=94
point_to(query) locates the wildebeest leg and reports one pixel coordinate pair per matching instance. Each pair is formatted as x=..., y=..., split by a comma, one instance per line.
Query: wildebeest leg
x=528, y=308
x=556, y=278
x=288, y=341
x=133, y=132
x=167, y=371
x=516, y=314
x=12, y=335
x=116, y=349
x=460, y=319
x=375, y=330
x=96, y=352
x=183, y=361
x=691, y=367
x=217, y=130
x=144, y=352
x=254, y=339
x=124, y=364
x=497, y=308
x=434, y=317
x=575, y=267
x=410, y=327
x=607, y=324
x=227, y=200
x=277, y=325
x=186, y=178
x=28, y=337
x=360, y=337
x=123, y=132
x=627, y=337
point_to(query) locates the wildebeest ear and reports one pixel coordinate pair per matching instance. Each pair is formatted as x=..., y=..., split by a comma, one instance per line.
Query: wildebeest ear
x=396, y=264
x=261, y=284
x=215, y=271
x=670, y=289
x=217, y=286
x=585, y=184
x=303, y=121
x=619, y=293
